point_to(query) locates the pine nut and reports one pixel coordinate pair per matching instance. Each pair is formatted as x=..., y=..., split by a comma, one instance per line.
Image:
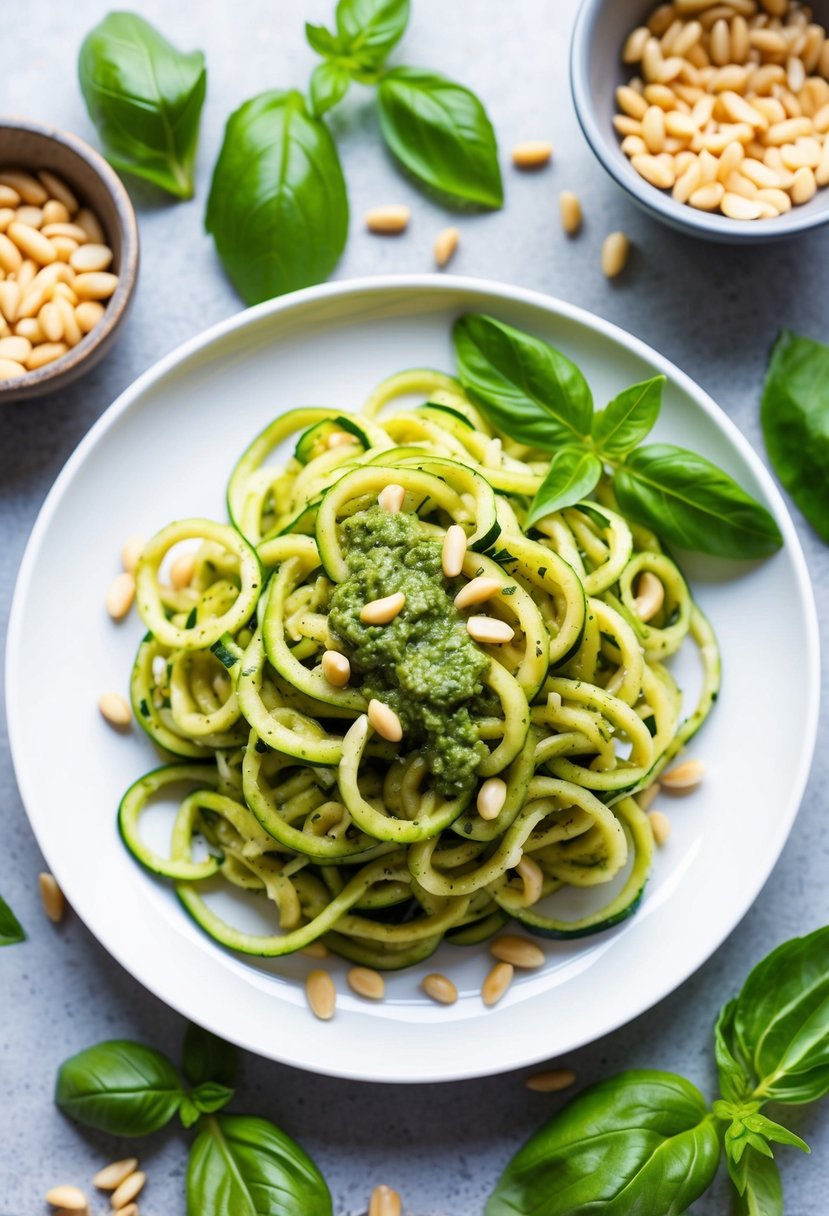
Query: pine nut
x=32, y=243
x=491, y=798
x=336, y=668
x=786, y=132
x=32, y=216
x=50, y=322
x=382, y=611
x=453, y=551
x=90, y=258
x=719, y=43
x=9, y=197
x=477, y=591
x=9, y=300
x=182, y=571
x=760, y=174
x=627, y=126
x=316, y=949
x=651, y=59
x=74, y=231
x=708, y=197
x=648, y=796
x=661, y=18
x=628, y=100
x=532, y=877
x=70, y=1198
x=64, y=247
x=737, y=207
x=551, y=1082
x=650, y=596
x=660, y=95
x=532, y=154
x=778, y=199
x=52, y=898
x=769, y=42
x=131, y=1209
x=634, y=145
x=681, y=126
x=660, y=826
x=683, y=777
x=88, y=315
x=55, y=212
x=446, y=242
x=739, y=110
x=97, y=285
x=389, y=220
x=367, y=983
x=89, y=223
x=131, y=553
x=59, y=190
x=321, y=994
x=669, y=69
x=16, y=349
x=111, y=1176
x=821, y=120
x=45, y=353
x=385, y=721
x=29, y=328
x=737, y=184
x=522, y=953
x=128, y=1189
x=635, y=45
x=440, y=988
x=71, y=330
x=28, y=187
x=653, y=128
x=805, y=153
x=615, y=251
x=822, y=170
x=391, y=498
x=570, y=210
x=115, y=710
x=687, y=38
x=489, y=631
x=384, y=1202
x=823, y=62
x=496, y=983
x=654, y=171
x=804, y=186
x=120, y=594
x=11, y=258
x=795, y=73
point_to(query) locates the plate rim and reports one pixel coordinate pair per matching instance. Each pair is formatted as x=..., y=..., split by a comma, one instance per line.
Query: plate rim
x=130, y=396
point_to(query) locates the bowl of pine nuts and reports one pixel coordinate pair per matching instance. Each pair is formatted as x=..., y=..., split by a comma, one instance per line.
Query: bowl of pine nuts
x=713, y=115
x=68, y=258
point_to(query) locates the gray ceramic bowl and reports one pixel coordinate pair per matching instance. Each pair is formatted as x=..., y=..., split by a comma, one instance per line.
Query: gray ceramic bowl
x=596, y=69
x=32, y=146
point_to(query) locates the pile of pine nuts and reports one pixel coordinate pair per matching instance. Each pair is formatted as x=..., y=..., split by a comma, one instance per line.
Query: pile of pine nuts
x=730, y=111
x=54, y=271
x=122, y=1179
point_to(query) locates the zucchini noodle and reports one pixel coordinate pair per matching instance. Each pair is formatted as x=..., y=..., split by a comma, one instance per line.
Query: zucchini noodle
x=377, y=847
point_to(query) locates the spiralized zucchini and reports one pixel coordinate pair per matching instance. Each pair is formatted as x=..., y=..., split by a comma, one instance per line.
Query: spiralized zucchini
x=378, y=848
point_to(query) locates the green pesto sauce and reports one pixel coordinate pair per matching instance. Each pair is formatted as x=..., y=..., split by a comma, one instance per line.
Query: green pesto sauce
x=423, y=663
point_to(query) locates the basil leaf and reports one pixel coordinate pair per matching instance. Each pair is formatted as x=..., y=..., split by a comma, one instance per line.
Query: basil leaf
x=210, y=1096
x=145, y=97
x=692, y=503
x=573, y=474
x=628, y=418
x=794, y=412
x=369, y=29
x=188, y=1112
x=120, y=1087
x=243, y=1166
x=761, y=1193
x=735, y=1084
x=526, y=388
x=761, y=1126
x=781, y=1021
x=322, y=41
x=278, y=209
x=639, y=1142
x=440, y=133
x=11, y=931
x=206, y=1057
x=329, y=84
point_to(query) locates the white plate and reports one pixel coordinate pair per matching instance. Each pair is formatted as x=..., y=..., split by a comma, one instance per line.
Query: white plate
x=163, y=451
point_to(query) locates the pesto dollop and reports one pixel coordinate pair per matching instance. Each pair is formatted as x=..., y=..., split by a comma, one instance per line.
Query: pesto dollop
x=423, y=663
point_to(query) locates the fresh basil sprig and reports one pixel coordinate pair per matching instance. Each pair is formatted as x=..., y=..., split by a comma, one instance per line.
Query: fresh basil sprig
x=11, y=930
x=121, y=1087
x=536, y=395
x=647, y=1141
x=278, y=209
x=367, y=30
x=145, y=97
x=795, y=418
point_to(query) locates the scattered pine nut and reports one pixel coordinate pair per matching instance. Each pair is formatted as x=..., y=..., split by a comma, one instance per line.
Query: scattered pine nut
x=520, y=951
x=533, y=878
x=491, y=798
x=132, y=1185
x=52, y=898
x=382, y=611
x=477, y=591
x=69, y=1198
x=182, y=570
x=321, y=994
x=489, y=630
x=551, y=1082
x=647, y=797
x=131, y=553
x=391, y=498
x=367, y=983
x=336, y=668
x=650, y=596
x=570, y=209
x=115, y=710
x=440, y=988
x=389, y=220
x=615, y=251
x=385, y=721
x=316, y=950
x=384, y=1202
x=660, y=826
x=683, y=778
x=111, y=1176
x=496, y=983
x=130, y=1210
x=454, y=551
x=120, y=595
x=532, y=154
x=446, y=242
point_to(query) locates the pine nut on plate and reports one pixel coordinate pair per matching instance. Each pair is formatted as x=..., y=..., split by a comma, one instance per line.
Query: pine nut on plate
x=366, y=983
x=496, y=983
x=52, y=898
x=321, y=994
x=440, y=988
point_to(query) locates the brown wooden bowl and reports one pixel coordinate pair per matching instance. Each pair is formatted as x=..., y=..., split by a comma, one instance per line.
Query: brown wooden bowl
x=30, y=145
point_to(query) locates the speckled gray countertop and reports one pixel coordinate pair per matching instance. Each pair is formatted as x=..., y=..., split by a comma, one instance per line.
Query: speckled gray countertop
x=713, y=310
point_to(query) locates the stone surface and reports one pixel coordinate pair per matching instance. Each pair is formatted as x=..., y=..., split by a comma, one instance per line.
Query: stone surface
x=713, y=310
